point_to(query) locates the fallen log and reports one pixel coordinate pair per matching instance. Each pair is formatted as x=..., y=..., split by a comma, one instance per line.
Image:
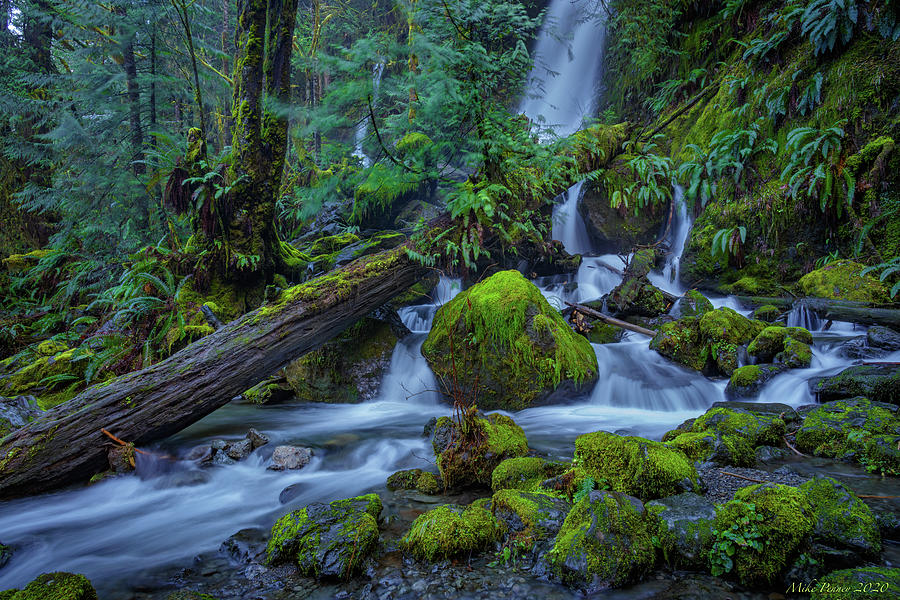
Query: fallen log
x=590, y=312
x=855, y=312
x=66, y=444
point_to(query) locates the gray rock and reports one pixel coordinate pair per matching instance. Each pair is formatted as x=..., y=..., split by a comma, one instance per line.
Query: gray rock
x=767, y=454
x=774, y=409
x=200, y=454
x=290, y=457
x=245, y=545
x=217, y=445
x=17, y=412
x=883, y=338
x=877, y=382
x=257, y=439
x=688, y=519
x=240, y=450
x=222, y=459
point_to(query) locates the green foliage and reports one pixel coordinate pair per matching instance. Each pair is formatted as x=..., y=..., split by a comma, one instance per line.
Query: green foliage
x=811, y=95
x=827, y=22
x=744, y=532
x=652, y=176
x=889, y=269
x=727, y=242
x=814, y=168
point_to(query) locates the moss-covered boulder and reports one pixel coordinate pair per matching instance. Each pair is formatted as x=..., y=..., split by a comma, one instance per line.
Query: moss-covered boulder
x=271, y=390
x=329, y=541
x=879, y=383
x=525, y=473
x=787, y=521
x=604, y=333
x=883, y=338
x=54, y=586
x=854, y=429
x=449, y=530
x=767, y=313
x=636, y=296
x=843, y=521
x=684, y=529
x=867, y=583
x=415, y=479
x=530, y=517
x=642, y=261
x=691, y=304
x=782, y=345
x=617, y=230
x=502, y=343
x=748, y=381
x=728, y=436
x=843, y=280
x=468, y=455
x=347, y=369
x=635, y=466
x=605, y=542
x=708, y=343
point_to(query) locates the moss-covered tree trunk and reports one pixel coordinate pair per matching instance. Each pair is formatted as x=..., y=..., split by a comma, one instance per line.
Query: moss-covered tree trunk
x=65, y=445
x=259, y=140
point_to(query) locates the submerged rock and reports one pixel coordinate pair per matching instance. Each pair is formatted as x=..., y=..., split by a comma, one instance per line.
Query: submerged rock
x=502, y=343
x=450, y=530
x=606, y=541
x=290, y=457
x=634, y=465
x=470, y=458
x=327, y=540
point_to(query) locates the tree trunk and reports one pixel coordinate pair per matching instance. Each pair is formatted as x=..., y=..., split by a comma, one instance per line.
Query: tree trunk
x=134, y=108
x=66, y=446
x=153, y=77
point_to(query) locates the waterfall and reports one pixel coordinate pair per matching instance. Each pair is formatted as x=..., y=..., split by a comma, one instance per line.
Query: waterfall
x=568, y=226
x=362, y=128
x=670, y=278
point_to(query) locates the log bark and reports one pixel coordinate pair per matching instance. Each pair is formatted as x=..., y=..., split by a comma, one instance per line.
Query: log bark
x=855, y=312
x=66, y=444
x=594, y=314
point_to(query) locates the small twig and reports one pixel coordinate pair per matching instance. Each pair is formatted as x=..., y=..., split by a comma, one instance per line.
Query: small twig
x=797, y=452
x=742, y=477
x=869, y=497
x=121, y=443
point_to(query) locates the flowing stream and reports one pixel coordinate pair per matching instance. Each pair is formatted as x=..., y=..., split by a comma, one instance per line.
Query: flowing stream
x=120, y=531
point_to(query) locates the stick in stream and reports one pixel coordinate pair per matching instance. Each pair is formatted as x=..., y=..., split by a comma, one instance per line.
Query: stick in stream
x=590, y=312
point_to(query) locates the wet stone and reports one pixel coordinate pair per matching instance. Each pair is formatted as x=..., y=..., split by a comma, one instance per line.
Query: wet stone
x=240, y=450
x=257, y=439
x=290, y=457
x=245, y=545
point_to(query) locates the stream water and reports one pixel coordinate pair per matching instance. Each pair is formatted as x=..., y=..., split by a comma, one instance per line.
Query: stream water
x=121, y=531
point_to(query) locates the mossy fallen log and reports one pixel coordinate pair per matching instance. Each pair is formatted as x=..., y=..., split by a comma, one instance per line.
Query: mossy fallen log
x=835, y=310
x=66, y=444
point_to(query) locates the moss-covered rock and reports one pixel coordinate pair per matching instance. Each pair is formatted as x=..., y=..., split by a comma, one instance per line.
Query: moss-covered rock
x=327, y=540
x=450, y=530
x=636, y=296
x=782, y=345
x=346, y=369
x=642, y=262
x=854, y=429
x=53, y=379
x=728, y=436
x=748, y=381
x=55, y=586
x=788, y=519
x=635, y=466
x=879, y=383
x=843, y=280
x=707, y=343
x=843, y=521
x=404, y=480
x=767, y=313
x=524, y=473
x=604, y=333
x=469, y=457
x=273, y=390
x=502, y=343
x=684, y=529
x=428, y=483
x=606, y=541
x=529, y=517
x=691, y=304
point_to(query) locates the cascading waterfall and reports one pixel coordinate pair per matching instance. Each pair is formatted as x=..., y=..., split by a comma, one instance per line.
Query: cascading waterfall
x=670, y=278
x=362, y=128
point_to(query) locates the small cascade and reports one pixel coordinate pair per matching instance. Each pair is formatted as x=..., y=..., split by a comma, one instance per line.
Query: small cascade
x=419, y=317
x=362, y=128
x=568, y=226
x=670, y=278
x=801, y=316
x=596, y=277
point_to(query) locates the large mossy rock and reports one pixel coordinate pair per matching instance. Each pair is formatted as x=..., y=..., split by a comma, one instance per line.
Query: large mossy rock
x=788, y=519
x=534, y=518
x=708, y=343
x=789, y=346
x=879, y=383
x=327, y=541
x=854, y=429
x=635, y=466
x=615, y=230
x=868, y=583
x=843, y=280
x=636, y=296
x=691, y=304
x=525, y=473
x=54, y=586
x=469, y=456
x=503, y=345
x=844, y=523
x=346, y=369
x=748, y=381
x=685, y=529
x=605, y=542
x=727, y=436
x=449, y=530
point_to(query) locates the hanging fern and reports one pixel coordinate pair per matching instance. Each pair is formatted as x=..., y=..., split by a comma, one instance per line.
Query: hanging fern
x=827, y=22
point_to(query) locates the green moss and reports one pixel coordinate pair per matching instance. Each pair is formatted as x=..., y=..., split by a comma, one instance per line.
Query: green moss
x=697, y=446
x=605, y=541
x=57, y=586
x=695, y=304
x=448, y=531
x=757, y=429
x=427, y=483
x=840, y=428
x=413, y=140
x=635, y=466
x=404, y=480
x=787, y=522
x=842, y=519
x=523, y=473
x=842, y=280
x=531, y=516
x=868, y=583
x=467, y=459
x=20, y=262
x=767, y=313
x=745, y=376
x=509, y=346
